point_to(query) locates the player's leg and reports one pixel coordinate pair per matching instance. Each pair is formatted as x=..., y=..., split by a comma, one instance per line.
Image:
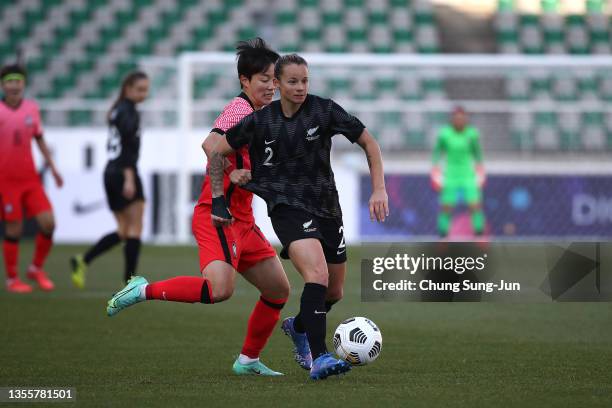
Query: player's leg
x=335, y=289
x=10, y=250
x=42, y=247
x=215, y=285
x=113, y=186
x=448, y=200
x=474, y=201
x=133, y=214
x=308, y=258
x=268, y=276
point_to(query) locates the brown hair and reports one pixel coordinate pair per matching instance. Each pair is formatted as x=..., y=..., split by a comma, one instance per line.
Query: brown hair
x=129, y=80
x=287, y=60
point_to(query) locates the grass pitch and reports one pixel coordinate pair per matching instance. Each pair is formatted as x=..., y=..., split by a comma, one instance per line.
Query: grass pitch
x=160, y=354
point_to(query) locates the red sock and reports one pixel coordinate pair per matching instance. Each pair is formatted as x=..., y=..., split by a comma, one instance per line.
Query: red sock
x=11, y=253
x=41, y=250
x=188, y=289
x=261, y=324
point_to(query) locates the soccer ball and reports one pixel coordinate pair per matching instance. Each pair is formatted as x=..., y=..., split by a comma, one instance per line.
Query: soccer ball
x=358, y=341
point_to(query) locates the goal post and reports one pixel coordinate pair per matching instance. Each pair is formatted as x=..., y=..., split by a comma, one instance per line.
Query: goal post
x=522, y=104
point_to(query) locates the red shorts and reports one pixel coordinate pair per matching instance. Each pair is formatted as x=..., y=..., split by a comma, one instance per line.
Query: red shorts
x=241, y=245
x=15, y=196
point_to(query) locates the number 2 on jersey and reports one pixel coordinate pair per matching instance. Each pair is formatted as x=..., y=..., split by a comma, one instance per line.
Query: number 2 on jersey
x=270, y=153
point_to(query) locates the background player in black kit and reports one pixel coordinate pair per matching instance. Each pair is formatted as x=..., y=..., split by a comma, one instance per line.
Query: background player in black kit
x=289, y=145
x=121, y=180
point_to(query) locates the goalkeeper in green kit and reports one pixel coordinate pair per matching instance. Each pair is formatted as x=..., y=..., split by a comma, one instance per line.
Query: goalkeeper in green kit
x=463, y=176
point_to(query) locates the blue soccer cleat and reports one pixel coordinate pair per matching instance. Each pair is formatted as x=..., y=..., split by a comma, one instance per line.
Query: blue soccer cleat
x=127, y=296
x=301, y=349
x=326, y=365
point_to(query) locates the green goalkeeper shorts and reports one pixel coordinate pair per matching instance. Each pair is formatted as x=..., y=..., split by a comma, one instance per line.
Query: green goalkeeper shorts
x=455, y=191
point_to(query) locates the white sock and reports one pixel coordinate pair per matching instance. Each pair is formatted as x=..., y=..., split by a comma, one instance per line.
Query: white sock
x=242, y=359
x=143, y=292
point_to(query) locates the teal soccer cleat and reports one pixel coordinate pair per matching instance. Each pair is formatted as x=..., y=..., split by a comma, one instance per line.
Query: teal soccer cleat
x=126, y=297
x=254, y=368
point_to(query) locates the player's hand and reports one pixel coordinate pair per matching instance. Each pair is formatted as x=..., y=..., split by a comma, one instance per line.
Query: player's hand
x=129, y=189
x=59, y=180
x=436, y=179
x=220, y=214
x=481, y=176
x=379, y=205
x=240, y=176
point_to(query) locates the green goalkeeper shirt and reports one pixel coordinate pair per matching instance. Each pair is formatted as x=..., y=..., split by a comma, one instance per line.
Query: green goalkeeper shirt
x=462, y=150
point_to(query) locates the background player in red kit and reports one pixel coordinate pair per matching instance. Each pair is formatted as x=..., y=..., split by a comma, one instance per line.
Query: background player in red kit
x=240, y=247
x=20, y=185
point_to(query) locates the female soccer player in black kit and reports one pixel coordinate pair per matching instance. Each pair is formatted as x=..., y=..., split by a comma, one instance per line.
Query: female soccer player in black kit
x=121, y=180
x=289, y=145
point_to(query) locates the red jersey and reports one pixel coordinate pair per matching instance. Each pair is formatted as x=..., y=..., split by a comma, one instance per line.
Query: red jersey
x=17, y=128
x=238, y=200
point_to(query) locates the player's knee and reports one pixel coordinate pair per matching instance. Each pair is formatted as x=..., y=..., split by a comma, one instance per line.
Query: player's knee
x=14, y=231
x=318, y=274
x=279, y=291
x=222, y=292
x=47, y=227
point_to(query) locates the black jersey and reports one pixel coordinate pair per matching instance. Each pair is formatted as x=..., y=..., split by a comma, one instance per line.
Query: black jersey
x=290, y=157
x=124, y=136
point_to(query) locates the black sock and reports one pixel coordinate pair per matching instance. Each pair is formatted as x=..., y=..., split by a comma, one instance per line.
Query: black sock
x=131, y=252
x=313, y=317
x=329, y=304
x=298, y=325
x=104, y=244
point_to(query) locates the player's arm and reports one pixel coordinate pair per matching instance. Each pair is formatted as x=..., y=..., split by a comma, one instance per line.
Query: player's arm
x=348, y=125
x=46, y=153
x=379, y=201
x=127, y=124
x=436, y=173
x=235, y=138
x=220, y=213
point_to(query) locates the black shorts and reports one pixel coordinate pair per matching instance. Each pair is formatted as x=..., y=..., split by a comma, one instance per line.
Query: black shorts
x=113, y=185
x=292, y=224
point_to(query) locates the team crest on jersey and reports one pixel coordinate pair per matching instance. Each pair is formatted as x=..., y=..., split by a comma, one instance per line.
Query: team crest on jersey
x=8, y=208
x=311, y=134
x=29, y=121
x=307, y=226
x=234, y=250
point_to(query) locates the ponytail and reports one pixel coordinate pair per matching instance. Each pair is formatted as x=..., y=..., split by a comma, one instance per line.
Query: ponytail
x=128, y=81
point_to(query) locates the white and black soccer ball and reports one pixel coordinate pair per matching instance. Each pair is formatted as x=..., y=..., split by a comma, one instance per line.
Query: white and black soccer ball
x=358, y=341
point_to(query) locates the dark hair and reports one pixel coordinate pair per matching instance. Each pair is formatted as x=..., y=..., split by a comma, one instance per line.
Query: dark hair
x=287, y=60
x=129, y=80
x=12, y=69
x=254, y=57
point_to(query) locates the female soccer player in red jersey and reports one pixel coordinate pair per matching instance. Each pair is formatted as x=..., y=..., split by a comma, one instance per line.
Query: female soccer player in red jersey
x=240, y=247
x=20, y=185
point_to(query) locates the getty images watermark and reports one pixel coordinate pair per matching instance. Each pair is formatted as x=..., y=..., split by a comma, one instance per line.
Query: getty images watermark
x=460, y=271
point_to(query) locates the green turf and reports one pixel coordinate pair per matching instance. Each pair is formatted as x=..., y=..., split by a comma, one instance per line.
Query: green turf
x=161, y=354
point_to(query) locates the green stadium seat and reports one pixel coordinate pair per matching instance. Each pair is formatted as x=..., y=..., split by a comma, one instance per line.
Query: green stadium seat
x=570, y=127
x=588, y=85
x=564, y=87
x=605, y=85
x=594, y=135
x=545, y=131
x=518, y=87
x=576, y=34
